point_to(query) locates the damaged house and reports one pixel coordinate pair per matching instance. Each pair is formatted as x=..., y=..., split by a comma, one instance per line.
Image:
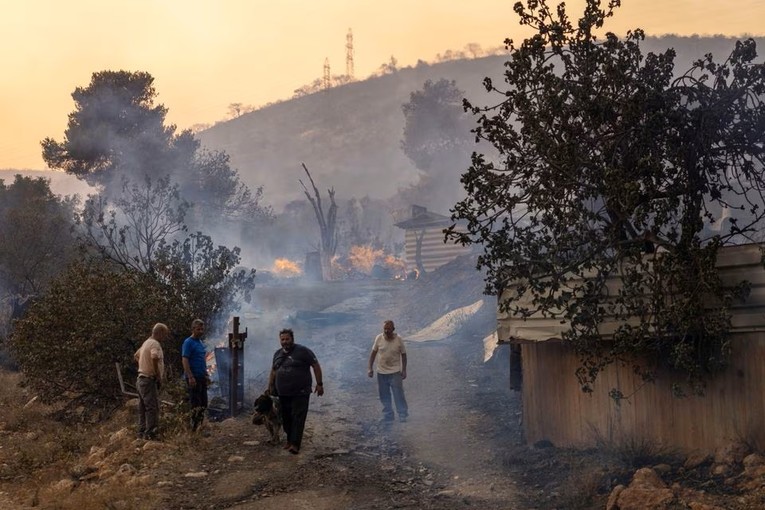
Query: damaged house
x=425, y=249
x=731, y=408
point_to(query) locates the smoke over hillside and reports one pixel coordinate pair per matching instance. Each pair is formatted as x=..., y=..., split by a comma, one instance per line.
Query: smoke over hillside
x=350, y=136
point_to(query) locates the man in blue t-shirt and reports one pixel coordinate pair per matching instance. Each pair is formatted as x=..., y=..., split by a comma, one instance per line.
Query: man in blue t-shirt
x=194, y=357
x=290, y=378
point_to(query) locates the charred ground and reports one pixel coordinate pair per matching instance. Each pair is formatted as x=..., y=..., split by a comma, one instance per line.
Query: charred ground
x=462, y=447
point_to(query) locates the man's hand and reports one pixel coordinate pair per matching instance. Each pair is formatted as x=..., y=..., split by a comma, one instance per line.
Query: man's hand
x=403, y=374
x=191, y=380
x=319, y=390
x=370, y=372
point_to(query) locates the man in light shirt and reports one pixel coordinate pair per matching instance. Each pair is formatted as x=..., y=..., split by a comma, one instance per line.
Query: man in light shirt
x=151, y=372
x=389, y=350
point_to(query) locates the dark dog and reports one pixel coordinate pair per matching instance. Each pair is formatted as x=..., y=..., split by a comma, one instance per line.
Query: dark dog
x=268, y=412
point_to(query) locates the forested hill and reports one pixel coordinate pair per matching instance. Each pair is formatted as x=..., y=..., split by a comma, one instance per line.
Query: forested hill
x=350, y=136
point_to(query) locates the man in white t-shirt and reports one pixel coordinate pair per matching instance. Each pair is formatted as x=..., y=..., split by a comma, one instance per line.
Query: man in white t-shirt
x=151, y=373
x=390, y=352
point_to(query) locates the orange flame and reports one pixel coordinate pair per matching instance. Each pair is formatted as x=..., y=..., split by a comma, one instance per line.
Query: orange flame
x=285, y=267
x=363, y=258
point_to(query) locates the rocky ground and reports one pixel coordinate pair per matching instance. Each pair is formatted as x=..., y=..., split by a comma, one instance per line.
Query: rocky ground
x=461, y=448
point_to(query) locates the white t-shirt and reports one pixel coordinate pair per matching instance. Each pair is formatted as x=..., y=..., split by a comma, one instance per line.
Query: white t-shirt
x=388, y=353
x=150, y=350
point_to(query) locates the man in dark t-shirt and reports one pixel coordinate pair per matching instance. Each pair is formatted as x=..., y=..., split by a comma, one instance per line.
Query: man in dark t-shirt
x=290, y=379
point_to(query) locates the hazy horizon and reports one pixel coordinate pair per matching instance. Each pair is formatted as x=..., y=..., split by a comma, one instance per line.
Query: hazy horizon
x=207, y=56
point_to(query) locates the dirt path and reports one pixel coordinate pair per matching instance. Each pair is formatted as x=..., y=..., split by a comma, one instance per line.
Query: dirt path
x=450, y=454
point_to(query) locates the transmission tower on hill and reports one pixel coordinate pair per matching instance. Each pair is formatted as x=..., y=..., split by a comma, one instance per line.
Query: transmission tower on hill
x=349, y=54
x=327, y=82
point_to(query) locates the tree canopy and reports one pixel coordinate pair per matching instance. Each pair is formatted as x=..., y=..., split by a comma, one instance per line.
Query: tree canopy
x=609, y=163
x=437, y=140
x=115, y=125
x=117, y=132
x=36, y=241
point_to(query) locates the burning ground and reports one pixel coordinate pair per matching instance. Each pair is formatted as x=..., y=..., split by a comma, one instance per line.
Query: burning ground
x=462, y=447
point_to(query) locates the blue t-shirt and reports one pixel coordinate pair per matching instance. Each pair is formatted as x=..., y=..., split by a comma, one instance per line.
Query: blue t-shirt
x=195, y=351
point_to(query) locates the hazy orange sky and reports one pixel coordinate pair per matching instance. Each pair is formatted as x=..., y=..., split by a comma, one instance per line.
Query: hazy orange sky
x=206, y=54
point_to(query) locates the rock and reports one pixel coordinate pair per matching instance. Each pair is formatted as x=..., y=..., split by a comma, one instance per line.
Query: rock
x=732, y=453
x=236, y=458
x=722, y=470
x=613, y=497
x=251, y=443
x=753, y=460
x=127, y=469
x=31, y=402
x=647, y=478
x=65, y=485
x=646, y=492
x=96, y=454
x=695, y=460
x=196, y=474
x=123, y=433
x=662, y=469
x=695, y=505
x=153, y=446
x=81, y=470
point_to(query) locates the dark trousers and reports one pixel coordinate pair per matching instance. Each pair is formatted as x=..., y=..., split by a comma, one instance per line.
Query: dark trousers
x=294, y=413
x=148, y=407
x=198, y=401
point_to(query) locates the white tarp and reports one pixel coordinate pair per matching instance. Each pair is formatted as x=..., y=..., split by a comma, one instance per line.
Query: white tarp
x=446, y=325
x=490, y=344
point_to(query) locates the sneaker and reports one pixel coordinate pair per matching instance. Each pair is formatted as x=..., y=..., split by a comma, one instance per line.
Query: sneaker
x=402, y=419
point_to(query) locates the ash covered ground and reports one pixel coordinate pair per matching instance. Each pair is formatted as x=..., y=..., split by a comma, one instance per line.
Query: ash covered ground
x=461, y=448
x=463, y=417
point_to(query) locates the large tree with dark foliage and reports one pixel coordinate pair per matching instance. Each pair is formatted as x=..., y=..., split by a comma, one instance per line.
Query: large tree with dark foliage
x=36, y=242
x=437, y=140
x=609, y=164
x=117, y=132
x=115, y=127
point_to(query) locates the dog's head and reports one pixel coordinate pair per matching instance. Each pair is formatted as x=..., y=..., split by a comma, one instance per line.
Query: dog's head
x=263, y=404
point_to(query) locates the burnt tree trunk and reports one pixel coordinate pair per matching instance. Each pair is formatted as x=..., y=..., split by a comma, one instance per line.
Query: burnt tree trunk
x=327, y=224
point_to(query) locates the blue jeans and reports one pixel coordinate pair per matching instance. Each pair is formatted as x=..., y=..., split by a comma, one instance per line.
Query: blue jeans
x=388, y=384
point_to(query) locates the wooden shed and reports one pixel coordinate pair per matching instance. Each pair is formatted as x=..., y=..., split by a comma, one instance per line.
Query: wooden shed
x=425, y=249
x=732, y=408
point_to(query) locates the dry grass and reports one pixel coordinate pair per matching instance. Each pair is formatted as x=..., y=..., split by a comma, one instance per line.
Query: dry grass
x=41, y=459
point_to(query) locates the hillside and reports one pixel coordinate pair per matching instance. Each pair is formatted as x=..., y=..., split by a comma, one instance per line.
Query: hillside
x=350, y=136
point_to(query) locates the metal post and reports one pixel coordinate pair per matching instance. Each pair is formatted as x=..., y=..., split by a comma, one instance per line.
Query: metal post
x=235, y=344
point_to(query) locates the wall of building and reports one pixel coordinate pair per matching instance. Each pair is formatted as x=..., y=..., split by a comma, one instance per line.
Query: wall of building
x=435, y=252
x=556, y=409
x=733, y=407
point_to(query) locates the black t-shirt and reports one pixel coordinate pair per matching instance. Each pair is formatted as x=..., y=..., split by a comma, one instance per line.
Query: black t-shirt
x=293, y=371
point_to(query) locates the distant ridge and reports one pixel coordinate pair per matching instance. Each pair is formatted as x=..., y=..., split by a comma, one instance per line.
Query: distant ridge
x=349, y=136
